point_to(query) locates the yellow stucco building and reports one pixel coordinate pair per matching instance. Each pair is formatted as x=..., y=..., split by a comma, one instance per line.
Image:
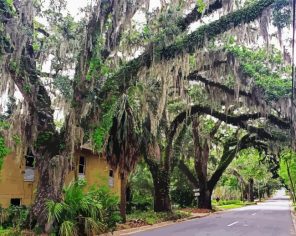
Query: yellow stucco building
x=18, y=177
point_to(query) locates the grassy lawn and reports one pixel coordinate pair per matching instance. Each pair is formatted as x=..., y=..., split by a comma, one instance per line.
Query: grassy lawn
x=229, y=204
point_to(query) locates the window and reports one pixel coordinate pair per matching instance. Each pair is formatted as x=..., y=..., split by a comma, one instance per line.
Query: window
x=29, y=173
x=81, y=167
x=29, y=161
x=111, y=179
x=15, y=201
x=111, y=173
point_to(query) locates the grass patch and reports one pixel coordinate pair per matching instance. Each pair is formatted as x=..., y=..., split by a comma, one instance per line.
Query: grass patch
x=229, y=204
x=9, y=232
x=151, y=217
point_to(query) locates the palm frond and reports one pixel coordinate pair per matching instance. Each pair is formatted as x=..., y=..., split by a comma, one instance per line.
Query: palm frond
x=68, y=228
x=55, y=210
x=92, y=226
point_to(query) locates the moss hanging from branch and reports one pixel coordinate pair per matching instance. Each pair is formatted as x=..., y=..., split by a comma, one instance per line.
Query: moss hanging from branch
x=266, y=68
x=189, y=44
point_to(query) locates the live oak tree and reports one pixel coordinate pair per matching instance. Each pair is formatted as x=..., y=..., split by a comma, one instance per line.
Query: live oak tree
x=253, y=169
x=171, y=57
x=53, y=150
x=287, y=170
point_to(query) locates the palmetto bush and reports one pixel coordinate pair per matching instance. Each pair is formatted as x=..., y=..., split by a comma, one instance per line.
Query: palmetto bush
x=84, y=213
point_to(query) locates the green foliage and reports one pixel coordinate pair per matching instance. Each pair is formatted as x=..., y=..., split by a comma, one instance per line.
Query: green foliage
x=141, y=185
x=13, y=216
x=9, y=232
x=43, y=138
x=287, y=170
x=13, y=66
x=16, y=139
x=201, y=5
x=3, y=151
x=6, y=7
x=160, y=31
x=27, y=87
x=64, y=85
x=83, y=213
x=266, y=68
x=97, y=66
x=281, y=15
x=229, y=204
x=4, y=125
x=181, y=190
x=100, y=134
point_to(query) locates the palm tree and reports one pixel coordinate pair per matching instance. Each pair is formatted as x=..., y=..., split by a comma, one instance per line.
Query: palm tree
x=82, y=213
x=122, y=149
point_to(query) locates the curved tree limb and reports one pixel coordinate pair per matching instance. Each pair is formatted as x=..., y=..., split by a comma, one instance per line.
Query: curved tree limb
x=194, y=76
x=186, y=171
x=188, y=44
x=237, y=120
x=195, y=15
x=229, y=154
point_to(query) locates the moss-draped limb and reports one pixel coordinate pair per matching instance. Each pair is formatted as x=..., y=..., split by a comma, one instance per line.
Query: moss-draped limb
x=237, y=120
x=195, y=76
x=127, y=75
x=196, y=15
x=188, y=44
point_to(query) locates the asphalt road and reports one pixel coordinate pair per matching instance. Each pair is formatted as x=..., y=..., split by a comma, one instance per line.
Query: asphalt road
x=272, y=218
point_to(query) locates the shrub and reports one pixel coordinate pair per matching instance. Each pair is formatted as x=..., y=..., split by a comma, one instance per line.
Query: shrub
x=80, y=213
x=141, y=202
x=13, y=216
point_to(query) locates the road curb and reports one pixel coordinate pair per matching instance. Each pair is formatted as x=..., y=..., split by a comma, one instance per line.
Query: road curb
x=293, y=215
x=164, y=224
x=154, y=226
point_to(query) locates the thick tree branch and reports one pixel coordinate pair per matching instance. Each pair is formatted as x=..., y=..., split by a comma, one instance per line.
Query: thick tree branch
x=215, y=128
x=230, y=153
x=237, y=120
x=194, y=76
x=188, y=44
x=186, y=171
x=195, y=14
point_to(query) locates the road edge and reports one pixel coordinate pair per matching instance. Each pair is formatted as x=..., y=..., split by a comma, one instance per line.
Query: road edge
x=154, y=226
x=293, y=215
x=166, y=223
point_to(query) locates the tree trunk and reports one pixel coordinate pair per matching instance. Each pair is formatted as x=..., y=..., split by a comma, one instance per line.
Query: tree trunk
x=205, y=199
x=161, y=181
x=52, y=172
x=251, y=190
x=123, y=197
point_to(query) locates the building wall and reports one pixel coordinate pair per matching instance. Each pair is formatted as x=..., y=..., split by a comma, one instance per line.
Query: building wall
x=12, y=184
x=96, y=171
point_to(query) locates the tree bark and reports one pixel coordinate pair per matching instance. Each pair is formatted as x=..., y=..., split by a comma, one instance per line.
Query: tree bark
x=123, y=197
x=51, y=182
x=251, y=190
x=161, y=182
x=205, y=199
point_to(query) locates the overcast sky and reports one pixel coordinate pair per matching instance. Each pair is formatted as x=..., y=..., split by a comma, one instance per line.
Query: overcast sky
x=74, y=6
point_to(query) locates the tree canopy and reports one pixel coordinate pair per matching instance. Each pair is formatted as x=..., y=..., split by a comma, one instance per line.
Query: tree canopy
x=190, y=87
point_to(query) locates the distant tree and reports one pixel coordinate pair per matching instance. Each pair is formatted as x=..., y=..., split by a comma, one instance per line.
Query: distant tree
x=287, y=170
